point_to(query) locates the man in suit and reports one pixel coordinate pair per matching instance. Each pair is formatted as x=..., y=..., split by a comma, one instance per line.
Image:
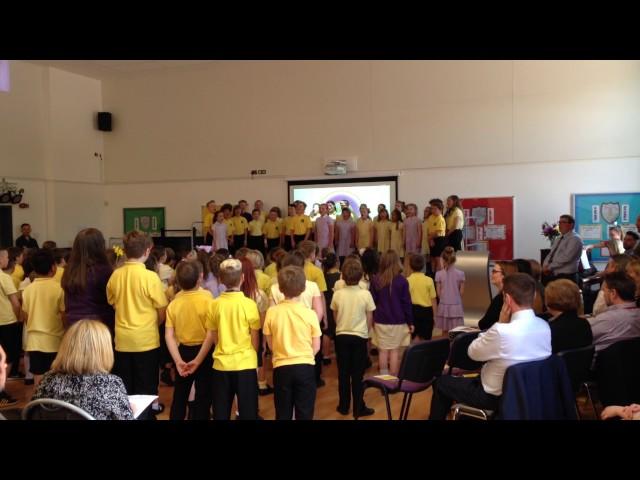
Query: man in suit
x=25, y=240
x=564, y=258
x=519, y=336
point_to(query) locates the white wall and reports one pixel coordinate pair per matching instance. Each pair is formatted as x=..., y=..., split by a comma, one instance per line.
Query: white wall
x=47, y=146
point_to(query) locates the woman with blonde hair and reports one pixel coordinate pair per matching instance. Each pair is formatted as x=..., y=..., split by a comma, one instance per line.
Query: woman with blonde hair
x=80, y=373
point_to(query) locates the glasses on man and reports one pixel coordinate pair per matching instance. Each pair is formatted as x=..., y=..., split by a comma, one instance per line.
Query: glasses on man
x=496, y=271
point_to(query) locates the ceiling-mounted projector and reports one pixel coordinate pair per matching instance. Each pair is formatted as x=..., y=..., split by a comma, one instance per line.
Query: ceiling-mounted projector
x=335, y=167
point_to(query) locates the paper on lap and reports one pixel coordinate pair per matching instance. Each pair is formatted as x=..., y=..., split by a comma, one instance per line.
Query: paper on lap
x=140, y=402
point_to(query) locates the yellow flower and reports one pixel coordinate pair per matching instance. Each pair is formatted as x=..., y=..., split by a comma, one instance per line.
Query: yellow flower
x=118, y=251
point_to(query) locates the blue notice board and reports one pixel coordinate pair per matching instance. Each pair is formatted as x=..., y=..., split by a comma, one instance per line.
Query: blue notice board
x=596, y=212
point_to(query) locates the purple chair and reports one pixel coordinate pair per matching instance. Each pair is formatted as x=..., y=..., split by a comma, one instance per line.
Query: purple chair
x=421, y=364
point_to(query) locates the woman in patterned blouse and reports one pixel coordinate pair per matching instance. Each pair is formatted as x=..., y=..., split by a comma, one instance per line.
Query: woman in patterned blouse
x=80, y=374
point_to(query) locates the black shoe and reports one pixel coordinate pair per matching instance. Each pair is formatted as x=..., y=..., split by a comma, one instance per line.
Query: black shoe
x=326, y=361
x=268, y=390
x=157, y=410
x=320, y=383
x=16, y=375
x=342, y=411
x=28, y=381
x=365, y=412
x=6, y=400
x=165, y=377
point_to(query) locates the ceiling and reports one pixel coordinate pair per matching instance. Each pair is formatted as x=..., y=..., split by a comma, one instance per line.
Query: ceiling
x=106, y=68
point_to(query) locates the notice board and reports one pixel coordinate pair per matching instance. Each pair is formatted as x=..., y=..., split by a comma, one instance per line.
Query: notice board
x=596, y=212
x=489, y=226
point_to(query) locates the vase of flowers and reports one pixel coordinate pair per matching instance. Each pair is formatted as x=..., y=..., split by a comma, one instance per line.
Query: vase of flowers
x=550, y=232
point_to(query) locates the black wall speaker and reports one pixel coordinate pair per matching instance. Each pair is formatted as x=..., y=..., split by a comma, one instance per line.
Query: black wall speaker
x=104, y=121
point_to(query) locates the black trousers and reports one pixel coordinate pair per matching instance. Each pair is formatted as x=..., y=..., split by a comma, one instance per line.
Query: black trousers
x=11, y=341
x=298, y=239
x=287, y=243
x=138, y=371
x=455, y=240
x=182, y=387
x=238, y=243
x=318, y=366
x=422, y=321
x=240, y=383
x=272, y=243
x=448, y=389
x=256, y=242
x=294, y=387
x=208, y=239
x=351, y=355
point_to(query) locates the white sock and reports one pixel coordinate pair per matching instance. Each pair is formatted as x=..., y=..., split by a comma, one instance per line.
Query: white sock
x=384, y=371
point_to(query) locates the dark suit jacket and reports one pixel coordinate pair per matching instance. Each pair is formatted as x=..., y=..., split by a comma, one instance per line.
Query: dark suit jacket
x=23, y=242
x=569, y=331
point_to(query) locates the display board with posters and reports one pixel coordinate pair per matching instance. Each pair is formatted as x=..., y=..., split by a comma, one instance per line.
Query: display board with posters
x=596, y=212
x=489, y=226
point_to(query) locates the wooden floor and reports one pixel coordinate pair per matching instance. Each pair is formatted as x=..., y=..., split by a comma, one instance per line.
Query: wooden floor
x=326, y=399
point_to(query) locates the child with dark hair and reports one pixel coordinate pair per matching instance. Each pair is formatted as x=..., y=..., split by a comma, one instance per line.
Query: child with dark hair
x=423, y=298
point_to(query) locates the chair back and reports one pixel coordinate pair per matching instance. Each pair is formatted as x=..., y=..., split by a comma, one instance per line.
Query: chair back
x=538, y=390
x=578, y=362
x=424, y=361
x=51, y=409
x=458, y=356
x=617, y=373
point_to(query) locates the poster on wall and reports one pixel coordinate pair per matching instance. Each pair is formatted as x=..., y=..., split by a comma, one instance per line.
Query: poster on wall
x=489, y=226
x=147, y=219
x=596, y=212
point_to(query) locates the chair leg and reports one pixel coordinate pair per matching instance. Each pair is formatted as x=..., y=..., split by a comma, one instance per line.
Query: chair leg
x=404, y=403
x=456, y=413
x=406, y=411
x=386, y=398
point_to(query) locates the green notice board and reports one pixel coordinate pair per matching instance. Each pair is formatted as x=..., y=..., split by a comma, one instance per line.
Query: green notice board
x=148, y=219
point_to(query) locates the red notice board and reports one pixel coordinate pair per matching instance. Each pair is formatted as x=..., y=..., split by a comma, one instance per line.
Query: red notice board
x=489, y=226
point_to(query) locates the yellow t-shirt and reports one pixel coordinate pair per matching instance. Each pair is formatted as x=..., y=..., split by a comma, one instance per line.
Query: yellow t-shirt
x=263, y=216
x=436, y=225
x=136, y=293
x=421, y=289
x=229, y=222
x=301, y=224
x=272, y=229
x=7, y=315
x=255, y=228
x=272, y=271
x=58, y=275
x=264, y=281
x=43, y=301
x=364, y=232
x=207, y=221
x=239, y=225
x=288, y=225
x=233, y=316
x=383, y=235
x=455, y=221
x=314, y=274
x=292, y=327
x=17, y=275
x=188, y=314
x=352, y=304
x=397, y=238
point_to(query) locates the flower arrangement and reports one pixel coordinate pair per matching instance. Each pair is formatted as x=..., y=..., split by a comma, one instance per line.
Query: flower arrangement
x=117, y=249
x=551, y=232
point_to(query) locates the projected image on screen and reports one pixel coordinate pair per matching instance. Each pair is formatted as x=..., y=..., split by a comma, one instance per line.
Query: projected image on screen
x=350, y=194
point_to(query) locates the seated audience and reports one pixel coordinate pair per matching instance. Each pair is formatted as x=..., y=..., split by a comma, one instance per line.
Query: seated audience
x=617, y=263
x=519, y=336
x=621, y=319
x=568, y=330
x=633, y=270
x=498, y=273
x=630, y=242
x=80, y=374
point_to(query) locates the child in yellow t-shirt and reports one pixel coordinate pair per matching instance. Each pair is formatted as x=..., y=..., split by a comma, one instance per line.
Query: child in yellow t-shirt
x=186, y=336
x=293, y=334
x=256, y=237
x=43, y=311
x=234, y=327
x=139, y=300
x=240, y=228
x=272, y=230
x=423, y=298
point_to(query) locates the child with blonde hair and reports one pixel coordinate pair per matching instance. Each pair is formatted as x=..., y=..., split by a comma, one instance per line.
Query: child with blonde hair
x=450, y=288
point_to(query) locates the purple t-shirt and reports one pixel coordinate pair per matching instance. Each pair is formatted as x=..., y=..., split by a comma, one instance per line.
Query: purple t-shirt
x=92, y=303
x=393, y=303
